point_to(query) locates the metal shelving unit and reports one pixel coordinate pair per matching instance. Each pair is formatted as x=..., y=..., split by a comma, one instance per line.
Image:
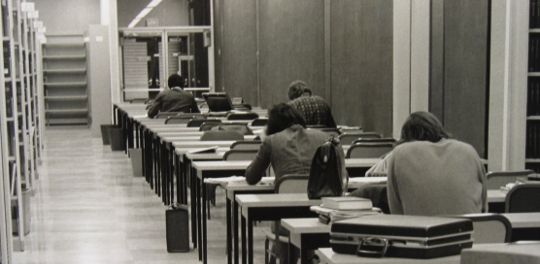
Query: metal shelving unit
x=20, y=129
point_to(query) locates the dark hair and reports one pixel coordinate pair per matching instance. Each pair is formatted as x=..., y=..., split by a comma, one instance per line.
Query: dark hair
x=297, y=89
x=283, y=116
x=422, y=126
x=175, y=80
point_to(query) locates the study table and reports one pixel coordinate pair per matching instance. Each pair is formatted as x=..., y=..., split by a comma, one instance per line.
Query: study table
x=217, y=169
x=309, y=233
x=237, y=185
x=270, y=207
x=328, y=256
x=252, y=204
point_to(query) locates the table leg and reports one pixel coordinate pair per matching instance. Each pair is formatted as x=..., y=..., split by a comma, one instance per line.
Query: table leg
x=194, y=210
x=250, y=241
x=229, y=231
x=235, y=235
x=244, y=253
x=199, y=213
x=203, y=219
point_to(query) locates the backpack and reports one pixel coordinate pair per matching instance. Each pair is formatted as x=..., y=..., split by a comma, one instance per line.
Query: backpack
x=328, y=175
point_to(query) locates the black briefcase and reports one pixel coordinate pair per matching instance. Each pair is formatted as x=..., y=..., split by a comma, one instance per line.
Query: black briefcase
x=401, y=236
x=177, y=225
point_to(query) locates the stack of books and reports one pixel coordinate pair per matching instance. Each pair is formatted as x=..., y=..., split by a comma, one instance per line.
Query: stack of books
x=343, y=207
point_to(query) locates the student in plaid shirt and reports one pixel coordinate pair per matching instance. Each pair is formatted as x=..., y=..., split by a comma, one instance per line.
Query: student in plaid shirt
x=314, y=108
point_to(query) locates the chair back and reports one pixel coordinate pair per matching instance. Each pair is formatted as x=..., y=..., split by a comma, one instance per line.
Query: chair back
x=500, y=178
x=292, y=183
x=240, y=154
x=182, y=118
x=242, y=116
x=197, y=122
x=240, y=127
x=369, y=150
x=374, y=140
x=138, y=100
x=259, y=122
x=246, y=144
x=523, y=198
x=165, y=115
x=221, y=136
x=347, y=138
x=490, y=228
x=206, y=126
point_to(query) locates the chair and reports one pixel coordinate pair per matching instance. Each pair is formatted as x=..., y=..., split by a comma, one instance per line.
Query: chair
x=240, y=154
x=495, y=180
x=164, y=115
x=374, y=140
x=209, y=124
x=259, y=122
x=348, y=137
x=138, y=100
x=183, y=118
x=240, y=127
x=369, y=150
x=293, y=183
x=197, y=122
x=221, y=135
x=489, y=228
x=246, y=144
x=242, y=116
x=523, y=198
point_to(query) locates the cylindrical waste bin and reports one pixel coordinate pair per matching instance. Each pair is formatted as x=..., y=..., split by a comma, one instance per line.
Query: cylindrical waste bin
x=116, y=137
x=105, y=133
x=177, y=223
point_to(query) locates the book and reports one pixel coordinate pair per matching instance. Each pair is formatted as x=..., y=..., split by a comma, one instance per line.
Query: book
x=346, y=203
x=212, y=149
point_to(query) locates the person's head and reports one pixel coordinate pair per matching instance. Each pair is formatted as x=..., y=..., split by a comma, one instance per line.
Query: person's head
x=422, y=126
x=283, y=116
x=175, y=80
x=297, y=89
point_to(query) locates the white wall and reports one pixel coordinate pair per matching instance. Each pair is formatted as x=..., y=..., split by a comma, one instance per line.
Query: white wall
x=68, y=16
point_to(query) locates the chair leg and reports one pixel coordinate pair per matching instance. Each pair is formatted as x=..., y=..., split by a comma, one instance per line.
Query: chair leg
x=266, y=242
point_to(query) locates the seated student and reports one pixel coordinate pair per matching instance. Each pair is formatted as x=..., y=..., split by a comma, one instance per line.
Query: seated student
x=289, y=147
x=173, y=100
x=314, y=108
x=428, y=173
x=432, y=174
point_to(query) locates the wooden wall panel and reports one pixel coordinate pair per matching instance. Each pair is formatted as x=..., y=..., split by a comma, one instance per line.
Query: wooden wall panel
x=291, y=46
x=465, y=70
x=237, y=50
x=361, y=67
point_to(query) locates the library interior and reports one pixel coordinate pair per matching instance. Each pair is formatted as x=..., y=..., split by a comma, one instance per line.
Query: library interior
x=270, y=131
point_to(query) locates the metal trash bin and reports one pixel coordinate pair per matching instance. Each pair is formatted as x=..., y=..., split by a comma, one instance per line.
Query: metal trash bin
x=105, y=133
x=116, y=137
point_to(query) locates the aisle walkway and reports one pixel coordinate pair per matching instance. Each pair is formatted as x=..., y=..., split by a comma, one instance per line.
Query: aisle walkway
x=88, y=208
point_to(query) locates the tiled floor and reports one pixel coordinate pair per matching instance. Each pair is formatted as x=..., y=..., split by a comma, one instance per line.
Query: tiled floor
x=88, y=208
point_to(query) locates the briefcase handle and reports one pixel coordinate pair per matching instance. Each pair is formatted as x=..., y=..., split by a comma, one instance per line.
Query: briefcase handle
x=372, y=247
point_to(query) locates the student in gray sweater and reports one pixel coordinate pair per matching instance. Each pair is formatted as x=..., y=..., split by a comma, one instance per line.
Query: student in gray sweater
x=428, y=173
x=432, y=174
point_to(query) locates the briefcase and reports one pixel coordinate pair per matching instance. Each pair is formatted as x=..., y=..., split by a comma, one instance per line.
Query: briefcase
x=401, y=236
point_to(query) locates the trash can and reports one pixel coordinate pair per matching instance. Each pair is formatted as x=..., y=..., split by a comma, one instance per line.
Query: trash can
x=177, y=228
x=136, y=161
x=105, y=133
x=26, y=193
x=116, y=137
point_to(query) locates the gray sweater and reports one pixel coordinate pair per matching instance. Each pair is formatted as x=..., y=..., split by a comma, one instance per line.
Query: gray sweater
x=442, y=178
x=289, y=151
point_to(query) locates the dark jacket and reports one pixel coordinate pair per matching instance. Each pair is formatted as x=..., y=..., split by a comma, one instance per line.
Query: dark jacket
x=173, y=100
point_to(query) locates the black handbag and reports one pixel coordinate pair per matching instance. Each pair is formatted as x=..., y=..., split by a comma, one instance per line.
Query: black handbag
x=328, y=175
